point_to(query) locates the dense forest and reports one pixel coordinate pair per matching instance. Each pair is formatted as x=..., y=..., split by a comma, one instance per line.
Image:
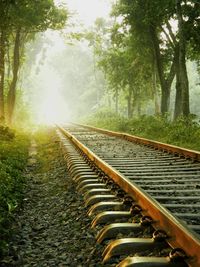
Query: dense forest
x=20, y=21
x=143, y=59
x=146, y=48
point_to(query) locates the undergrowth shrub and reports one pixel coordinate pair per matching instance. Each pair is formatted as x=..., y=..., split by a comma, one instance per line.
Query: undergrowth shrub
x=13, y=159
x=151, y=126
x=184, y=132
x=107, y=119
x=6, y=133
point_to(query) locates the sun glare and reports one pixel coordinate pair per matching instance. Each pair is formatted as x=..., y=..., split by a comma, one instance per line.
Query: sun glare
x=88, y=10
x=49, y=107
x=53, y=110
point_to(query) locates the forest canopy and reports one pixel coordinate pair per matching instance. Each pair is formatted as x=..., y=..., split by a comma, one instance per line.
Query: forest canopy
x=143, y=59
x=20, y=21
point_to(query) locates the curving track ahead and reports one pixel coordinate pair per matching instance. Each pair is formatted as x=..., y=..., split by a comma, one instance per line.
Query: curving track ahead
x=143, y=196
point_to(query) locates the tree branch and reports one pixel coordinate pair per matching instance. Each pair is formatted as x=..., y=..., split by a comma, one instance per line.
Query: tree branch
x=168, y=37
x=173, y=67
x=173, y=37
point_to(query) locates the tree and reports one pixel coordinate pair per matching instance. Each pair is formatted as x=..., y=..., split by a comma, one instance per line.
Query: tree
x=4, y=27
x=118, y=57
x=153, y=21
x=145, y=20
x=25, y=20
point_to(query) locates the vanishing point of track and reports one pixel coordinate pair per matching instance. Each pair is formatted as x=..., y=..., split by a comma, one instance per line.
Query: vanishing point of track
x=142, y=196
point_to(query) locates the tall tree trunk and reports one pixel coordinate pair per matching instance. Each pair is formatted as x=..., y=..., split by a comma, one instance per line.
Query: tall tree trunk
x=109, y=100
x=178, y=111
x=2, y=75
x=184, y=84
x=159, y=64
x=12, y=89
x=165, y=83
x=96, y=82
x=117, y=100
x=129, y=103
x=139, y=108
x=155, y=91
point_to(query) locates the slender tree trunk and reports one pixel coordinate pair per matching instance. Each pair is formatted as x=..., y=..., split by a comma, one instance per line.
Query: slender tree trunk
x=109, y=101
x=178, y=111
x=155, y=91
x=117, y=101
x=184, y=84
x=178, y=99
x=96, y=82
x=2, y=75
x=139, y=108
x=159, y=65
x=165, y=83
x=8, y=63
x=129, y=103
x=12, y=90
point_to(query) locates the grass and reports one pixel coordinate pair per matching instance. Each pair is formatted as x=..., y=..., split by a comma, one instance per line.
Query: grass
x=13, y=160
x=183, y=132
x=44, y=137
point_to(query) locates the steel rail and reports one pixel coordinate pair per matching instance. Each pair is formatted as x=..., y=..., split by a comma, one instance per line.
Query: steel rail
x=188, y=153
x=179, y=234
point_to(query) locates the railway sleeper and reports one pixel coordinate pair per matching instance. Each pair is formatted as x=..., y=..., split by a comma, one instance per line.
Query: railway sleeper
x=84, y=177
x=74, y=171
x=72, y=167
x=99, y=198
x=83, y=174
x=105, y=205
x=100, y=188
x=150, y=262
x=124, y=203
x=72, y=163
x=112, y=216
x=87, y=182
x=95, y=191
x=112, y=230
x=91, y=186
x=81, y=170
x=127, y=246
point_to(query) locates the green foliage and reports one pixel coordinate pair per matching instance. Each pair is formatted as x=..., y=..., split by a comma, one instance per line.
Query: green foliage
x=20, y=21
x=106, y=119
x=43, y=137
x=184, y=132
x=37, y=17
x=6, y=133
x=13, y=159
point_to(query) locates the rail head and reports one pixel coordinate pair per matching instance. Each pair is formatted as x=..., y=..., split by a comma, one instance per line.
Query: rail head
x=179, y=234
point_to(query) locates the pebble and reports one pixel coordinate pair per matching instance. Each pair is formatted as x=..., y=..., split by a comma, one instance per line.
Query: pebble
x=52, y=228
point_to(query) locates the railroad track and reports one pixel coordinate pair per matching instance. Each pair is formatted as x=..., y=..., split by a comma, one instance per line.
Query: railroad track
x=143, y=197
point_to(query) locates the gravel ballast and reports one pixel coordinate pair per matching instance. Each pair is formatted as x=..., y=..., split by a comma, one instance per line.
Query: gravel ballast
x=52, y=228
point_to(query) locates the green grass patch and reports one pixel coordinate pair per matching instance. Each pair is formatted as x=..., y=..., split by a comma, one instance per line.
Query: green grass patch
x=182, y=132
x=44, y=137
x=13, y=160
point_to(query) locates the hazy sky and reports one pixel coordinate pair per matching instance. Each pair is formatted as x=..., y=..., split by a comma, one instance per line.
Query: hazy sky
x=88, y=10
x=50, y=106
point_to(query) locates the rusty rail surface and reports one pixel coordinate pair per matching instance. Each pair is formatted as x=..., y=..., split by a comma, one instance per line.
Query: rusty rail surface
x=180, y=235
